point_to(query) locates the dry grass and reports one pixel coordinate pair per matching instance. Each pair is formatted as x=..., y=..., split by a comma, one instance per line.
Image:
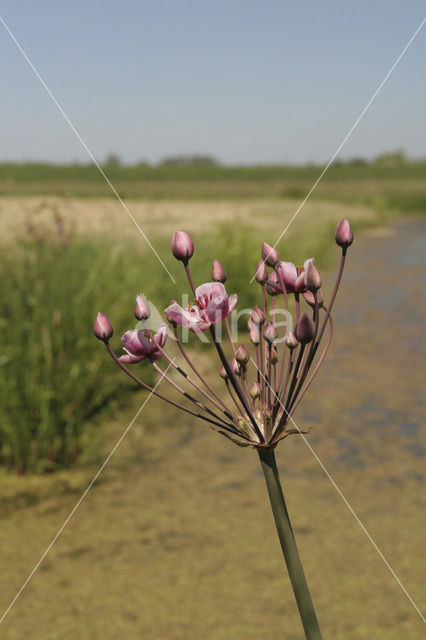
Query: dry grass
x=162, y=218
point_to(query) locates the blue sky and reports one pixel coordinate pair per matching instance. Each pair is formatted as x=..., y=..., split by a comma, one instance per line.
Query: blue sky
x=245, y=81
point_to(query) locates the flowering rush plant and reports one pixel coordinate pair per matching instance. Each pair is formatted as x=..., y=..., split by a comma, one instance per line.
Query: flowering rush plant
x=263, y=383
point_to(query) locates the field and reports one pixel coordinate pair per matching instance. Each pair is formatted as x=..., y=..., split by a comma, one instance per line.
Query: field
x=390, y=182
x=175, y=539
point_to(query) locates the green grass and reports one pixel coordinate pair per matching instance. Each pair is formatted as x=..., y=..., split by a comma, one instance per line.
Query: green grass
x=401, y=186
x=53, y=373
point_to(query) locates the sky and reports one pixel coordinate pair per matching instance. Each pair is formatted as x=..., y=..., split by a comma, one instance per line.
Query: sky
x=246, y=82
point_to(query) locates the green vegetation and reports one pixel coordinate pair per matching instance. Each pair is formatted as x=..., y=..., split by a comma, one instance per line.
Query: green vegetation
x=53, y=373
x=391, y=182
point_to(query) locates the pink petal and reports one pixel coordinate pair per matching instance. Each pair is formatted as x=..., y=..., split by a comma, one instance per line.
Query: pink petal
x=232, y=302
x=161, y=335
x=129, y=359
x=288, y=273
x=187, y=318
x=211, y=290
x=135, y=343
x=217, y=309
x=175, y=313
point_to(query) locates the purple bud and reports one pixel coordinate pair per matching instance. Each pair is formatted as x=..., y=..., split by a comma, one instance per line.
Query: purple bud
x=261, y=274
x=287, y=272
x=235, y=367
x=270, y=332
x=257, y=316
x=222, y=373
x=309, y=298
x=290, y=340
x=272, y=285
x=312, y=277
x=142, y=310
x=242, y=355
x=269, y=254
x=273, y=356
x=255, y=391
x=218, y=272
x=344, y=235
x=305, y=329
x=254, y=334
x=102, y=327
x=182, y=246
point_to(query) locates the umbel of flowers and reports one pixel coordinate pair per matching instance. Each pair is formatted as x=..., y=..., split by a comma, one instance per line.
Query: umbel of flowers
x=264, y=383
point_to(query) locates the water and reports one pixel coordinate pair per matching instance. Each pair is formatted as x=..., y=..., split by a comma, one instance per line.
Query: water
x=369, y=395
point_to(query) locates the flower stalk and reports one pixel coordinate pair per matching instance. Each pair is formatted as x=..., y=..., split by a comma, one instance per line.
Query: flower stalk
x=288, y=544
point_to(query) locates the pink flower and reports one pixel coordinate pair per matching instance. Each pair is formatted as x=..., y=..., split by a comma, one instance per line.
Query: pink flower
x=312, y=277
x=102, y=327
x=139, y=346
x=211, y=305
x=288, y=273
x=305, y=329
x=273, y=286
x=344, y=235
x=261, y=273
x=182, y=246
x=269, y=254
x=218, y=272
x=142, y=310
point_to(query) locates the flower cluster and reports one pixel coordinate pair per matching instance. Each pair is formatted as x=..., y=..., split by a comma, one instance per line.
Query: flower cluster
x=264, y=384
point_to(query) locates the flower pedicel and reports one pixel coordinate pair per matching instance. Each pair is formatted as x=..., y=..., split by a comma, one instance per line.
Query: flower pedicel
x=283, y=367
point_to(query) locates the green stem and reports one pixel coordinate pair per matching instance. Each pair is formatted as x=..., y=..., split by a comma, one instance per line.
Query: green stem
x=288, y=544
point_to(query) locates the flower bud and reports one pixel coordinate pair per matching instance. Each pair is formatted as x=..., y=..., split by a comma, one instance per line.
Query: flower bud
x=257, y=316
x=218, y=272
x=142, y=310
x=272, y=285
x=255, y=391
x=305, y=329
x=290, y=340
x=182, y=246
x=242, y=356
x=102, y=327
x=344, y=235
x=222, y=373
x=269, y=254
x=235, y=367
x=261, y=274
x=273, y=356
x=254, y=334
x=287, y=272
x=270, y=332
x=312, y=277
x=309, y=298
